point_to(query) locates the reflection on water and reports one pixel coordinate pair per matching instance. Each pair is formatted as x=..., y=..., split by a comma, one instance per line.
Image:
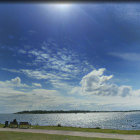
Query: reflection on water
x=112, y=120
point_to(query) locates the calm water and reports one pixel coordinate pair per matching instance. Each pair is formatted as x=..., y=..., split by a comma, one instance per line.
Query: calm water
x=117, y=120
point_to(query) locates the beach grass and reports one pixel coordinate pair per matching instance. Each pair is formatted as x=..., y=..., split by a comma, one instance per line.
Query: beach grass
x=37, y=136
x=132, y=132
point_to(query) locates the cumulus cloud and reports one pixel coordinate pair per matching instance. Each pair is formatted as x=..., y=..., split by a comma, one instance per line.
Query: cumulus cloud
x=96, y=83
x=15, y=82
x=94, y=80
x=125, y=90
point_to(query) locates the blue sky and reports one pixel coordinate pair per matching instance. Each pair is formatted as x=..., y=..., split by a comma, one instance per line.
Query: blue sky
x=69, y=56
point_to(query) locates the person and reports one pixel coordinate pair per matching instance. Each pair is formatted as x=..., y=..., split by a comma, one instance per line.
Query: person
x=15, y=121
x=6, y=124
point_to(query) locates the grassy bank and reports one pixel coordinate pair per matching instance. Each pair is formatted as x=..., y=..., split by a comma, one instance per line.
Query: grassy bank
x=137, y=132
x=32, y=136
x=1, y=125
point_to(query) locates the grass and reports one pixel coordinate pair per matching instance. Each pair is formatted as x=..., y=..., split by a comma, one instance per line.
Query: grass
x=1, y=125
x=136, y=132
x=33, y=136
x=131, y=132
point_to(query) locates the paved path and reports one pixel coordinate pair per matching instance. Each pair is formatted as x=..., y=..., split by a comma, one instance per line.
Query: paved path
x=76, y=133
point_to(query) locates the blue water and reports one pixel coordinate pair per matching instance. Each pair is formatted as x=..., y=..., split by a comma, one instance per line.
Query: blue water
x=111, y=120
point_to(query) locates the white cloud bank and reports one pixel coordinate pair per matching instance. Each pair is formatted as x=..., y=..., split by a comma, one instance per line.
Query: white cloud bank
x=94, y=83
x=14, y=99
x=96, y=92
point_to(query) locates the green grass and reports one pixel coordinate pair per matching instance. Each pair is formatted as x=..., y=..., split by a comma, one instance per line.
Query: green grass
x=137, y=132
x=132, y=132
x=33, y=136
x=1, y=125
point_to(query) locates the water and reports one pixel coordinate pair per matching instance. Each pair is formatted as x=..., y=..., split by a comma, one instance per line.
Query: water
x=108, y=120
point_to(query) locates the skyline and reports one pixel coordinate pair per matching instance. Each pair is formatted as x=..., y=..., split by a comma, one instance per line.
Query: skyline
x=69, y=56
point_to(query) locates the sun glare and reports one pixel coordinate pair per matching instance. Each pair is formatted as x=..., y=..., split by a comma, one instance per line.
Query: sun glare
x=62, y=6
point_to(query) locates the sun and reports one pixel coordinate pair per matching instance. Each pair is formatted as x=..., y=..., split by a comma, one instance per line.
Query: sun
x=62, y=6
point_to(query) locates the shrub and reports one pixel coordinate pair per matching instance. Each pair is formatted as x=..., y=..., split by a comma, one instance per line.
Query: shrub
x=59, y=125
x=97, y=128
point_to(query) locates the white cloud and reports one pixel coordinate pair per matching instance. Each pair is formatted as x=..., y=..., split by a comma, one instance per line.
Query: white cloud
x=15, y=82
x=57, y=67
x=59, y=84
x=42, y=74
x=22, y=51
x=76, y=90
x=96, y=83
x=38, y=98
x=36, y=84
x=127, y=56
x=10, y=70
x=62, y=59
x=34, y=74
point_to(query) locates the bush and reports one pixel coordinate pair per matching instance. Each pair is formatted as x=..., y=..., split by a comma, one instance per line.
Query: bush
x=59, y=125
x=97, y=128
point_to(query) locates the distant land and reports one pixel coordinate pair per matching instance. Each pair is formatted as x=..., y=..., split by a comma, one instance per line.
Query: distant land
x=68, y=111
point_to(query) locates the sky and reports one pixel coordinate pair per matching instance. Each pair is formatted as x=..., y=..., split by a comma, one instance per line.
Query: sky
x=69, y=56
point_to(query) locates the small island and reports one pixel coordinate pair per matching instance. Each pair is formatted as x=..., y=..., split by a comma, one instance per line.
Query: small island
x=67, y=111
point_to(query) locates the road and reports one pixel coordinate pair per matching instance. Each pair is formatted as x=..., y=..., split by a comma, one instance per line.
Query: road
x=75, y=133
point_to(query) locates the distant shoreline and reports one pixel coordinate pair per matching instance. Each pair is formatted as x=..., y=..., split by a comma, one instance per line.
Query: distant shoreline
x=69, y=111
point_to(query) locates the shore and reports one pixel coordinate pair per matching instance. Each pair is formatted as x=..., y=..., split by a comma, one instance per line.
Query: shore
x=98, y=130
x=67, y=133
